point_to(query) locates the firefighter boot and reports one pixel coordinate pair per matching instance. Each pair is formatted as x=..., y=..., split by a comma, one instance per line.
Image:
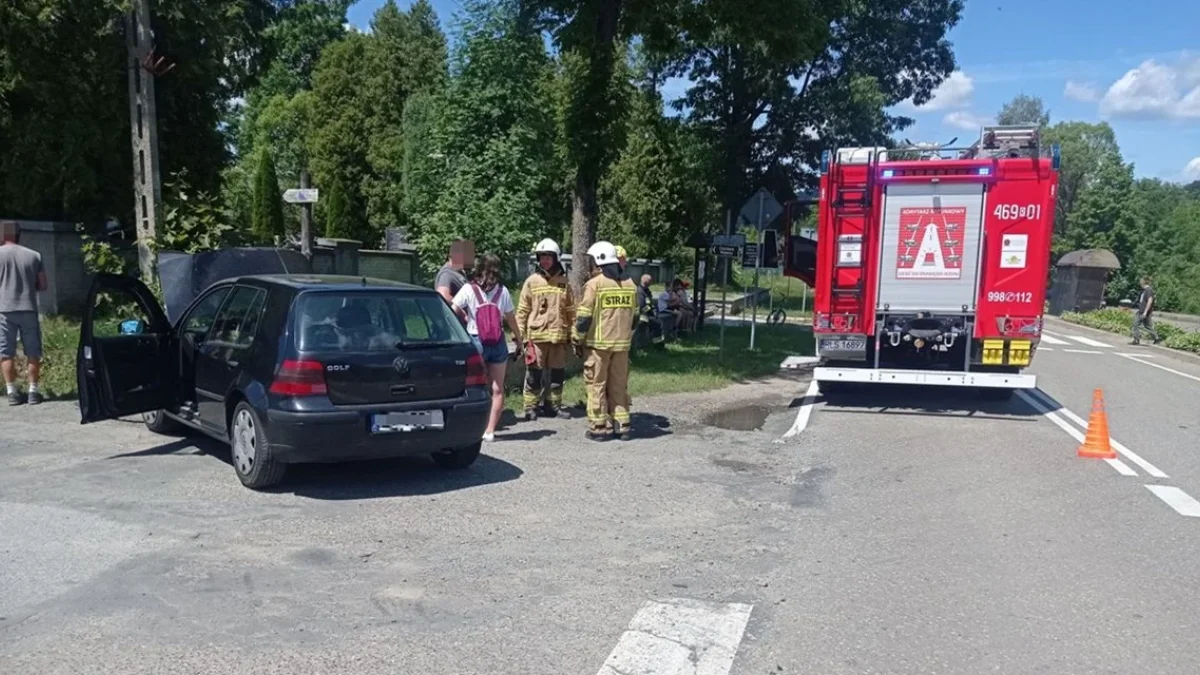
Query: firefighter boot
x=533, y=392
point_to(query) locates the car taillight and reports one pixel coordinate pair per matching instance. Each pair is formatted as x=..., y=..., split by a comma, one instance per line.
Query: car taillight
x=300, y=378
x=476, y=371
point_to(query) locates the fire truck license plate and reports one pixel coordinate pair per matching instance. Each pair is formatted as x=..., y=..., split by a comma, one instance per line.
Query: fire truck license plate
x=843, y=345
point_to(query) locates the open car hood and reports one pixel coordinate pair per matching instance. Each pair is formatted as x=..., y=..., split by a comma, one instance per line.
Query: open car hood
x=185, y=275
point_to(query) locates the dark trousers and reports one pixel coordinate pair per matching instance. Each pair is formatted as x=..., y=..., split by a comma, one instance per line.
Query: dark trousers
x=1140, y=322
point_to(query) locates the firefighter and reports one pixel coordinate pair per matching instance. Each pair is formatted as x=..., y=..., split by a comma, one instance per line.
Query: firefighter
x=603, y=334
x=545, y=313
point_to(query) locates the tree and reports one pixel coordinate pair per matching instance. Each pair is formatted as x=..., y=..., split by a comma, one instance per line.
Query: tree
x=267, y=218
x=771, y=95
x=339, y=138
x=1084, y=147
x=492, y=145
x=590, y=37
x=1024, y=109
x=406, y=56
x=64, y=102
x=654, y=194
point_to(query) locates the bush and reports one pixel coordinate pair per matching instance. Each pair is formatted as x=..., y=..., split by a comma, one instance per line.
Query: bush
x=1120, y=321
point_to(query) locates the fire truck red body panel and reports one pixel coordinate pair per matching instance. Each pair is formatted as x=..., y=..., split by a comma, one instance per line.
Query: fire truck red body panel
x=937, y=266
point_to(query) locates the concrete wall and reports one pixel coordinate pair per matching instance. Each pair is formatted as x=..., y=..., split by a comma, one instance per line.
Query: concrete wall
x=62, y=256
x=392, y=265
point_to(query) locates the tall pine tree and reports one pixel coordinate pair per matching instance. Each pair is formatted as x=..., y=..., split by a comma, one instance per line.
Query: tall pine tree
x=266, y=218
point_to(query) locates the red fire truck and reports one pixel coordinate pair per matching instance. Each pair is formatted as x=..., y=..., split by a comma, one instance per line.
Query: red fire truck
x=930, y=263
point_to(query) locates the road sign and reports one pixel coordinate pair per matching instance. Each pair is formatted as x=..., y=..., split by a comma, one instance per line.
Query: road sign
x=301, y=196
x=761, y=209
x=722, y=251
x=750, y=255
x=735, y=240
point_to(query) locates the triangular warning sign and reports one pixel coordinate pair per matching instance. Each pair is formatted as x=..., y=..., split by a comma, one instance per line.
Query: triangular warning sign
x=930, y=252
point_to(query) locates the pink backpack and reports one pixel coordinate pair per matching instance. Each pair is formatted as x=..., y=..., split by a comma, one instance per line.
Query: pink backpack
x=488, y=318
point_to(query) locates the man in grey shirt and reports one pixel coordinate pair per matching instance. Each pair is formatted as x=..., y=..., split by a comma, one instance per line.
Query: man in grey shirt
x=21, y=277
x=452, y=276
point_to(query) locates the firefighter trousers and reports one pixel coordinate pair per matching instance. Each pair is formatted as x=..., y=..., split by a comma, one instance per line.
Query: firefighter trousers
x=553, y=357
x=606, y=373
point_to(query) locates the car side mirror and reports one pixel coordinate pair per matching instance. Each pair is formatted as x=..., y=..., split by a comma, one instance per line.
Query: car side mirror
x=132, y=327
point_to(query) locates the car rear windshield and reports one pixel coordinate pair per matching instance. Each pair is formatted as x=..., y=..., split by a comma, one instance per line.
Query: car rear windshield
x=375, y=321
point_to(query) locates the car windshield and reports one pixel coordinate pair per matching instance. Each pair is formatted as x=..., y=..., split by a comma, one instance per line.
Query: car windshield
x=375, y=321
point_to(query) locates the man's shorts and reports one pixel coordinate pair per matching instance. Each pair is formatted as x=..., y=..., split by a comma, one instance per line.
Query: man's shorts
x=23, y=325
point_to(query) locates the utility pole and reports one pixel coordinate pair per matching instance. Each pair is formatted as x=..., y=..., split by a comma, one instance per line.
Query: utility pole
x=147, y=183
x=305, y=219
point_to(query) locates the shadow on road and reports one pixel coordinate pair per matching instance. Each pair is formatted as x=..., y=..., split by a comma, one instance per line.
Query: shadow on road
x=403, y=477
x=407, y=477
x=925, y=400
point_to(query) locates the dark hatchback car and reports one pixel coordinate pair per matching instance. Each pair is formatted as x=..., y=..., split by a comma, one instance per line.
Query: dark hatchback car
x=291, y=369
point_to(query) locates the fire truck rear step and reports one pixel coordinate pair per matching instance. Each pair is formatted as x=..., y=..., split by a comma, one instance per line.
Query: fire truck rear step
x=926, y=377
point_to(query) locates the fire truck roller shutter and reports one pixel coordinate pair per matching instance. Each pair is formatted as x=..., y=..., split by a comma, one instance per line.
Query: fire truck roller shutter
x=929, y=258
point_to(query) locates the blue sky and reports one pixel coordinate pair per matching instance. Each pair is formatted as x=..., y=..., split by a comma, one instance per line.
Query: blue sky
x=1134, y=65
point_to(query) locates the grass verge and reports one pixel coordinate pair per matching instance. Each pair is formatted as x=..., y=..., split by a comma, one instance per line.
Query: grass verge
x=1120, y=321
x=695, y=363
x=60, y=340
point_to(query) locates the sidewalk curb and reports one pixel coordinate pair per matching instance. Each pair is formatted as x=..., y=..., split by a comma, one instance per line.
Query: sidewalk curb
x=1057, y=324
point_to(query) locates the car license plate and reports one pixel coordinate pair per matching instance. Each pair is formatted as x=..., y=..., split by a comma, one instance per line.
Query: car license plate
x=843, y=345
x=416, y=420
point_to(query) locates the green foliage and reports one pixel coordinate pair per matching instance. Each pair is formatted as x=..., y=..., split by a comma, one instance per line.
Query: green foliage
x=1120, y=321
x=1024, y=109
x=267, y=218
x=193, y=220
x=485, y=170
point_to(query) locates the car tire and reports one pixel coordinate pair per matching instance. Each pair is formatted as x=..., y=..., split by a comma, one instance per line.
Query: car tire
x=253, y=460
x=458, y=458
x=158, y=422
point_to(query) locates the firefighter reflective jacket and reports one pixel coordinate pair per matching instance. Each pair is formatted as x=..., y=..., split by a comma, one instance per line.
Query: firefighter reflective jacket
x=607, y=312
x=546, y=309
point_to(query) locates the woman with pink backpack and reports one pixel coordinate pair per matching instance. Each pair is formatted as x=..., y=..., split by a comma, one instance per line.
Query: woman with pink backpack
x=486, y=305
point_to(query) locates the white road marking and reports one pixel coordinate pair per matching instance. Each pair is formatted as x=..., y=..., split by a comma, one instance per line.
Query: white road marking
x=1088, y=341
x=1119, y=466
x=1182, y=502
x=1083, y=351
x=1045, y=349
x=1117, y=445
x=1155, y=365
x=1137, y=355
x=805, y=411
x=1051, y=340
x=680, y=637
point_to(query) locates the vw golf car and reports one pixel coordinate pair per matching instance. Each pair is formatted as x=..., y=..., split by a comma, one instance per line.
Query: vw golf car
x=290, y=369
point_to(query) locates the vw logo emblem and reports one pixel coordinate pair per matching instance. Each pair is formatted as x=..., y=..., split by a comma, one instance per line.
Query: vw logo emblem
x=400, y=365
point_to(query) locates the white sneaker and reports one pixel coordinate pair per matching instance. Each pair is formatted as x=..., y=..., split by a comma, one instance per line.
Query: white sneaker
x=488, y=438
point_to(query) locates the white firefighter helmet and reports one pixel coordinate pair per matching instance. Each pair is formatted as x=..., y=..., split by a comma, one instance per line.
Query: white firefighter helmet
x=603, y=253
x=547, y=246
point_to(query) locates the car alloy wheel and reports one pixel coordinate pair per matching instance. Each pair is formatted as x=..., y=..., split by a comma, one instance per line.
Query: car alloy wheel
x=245, y=442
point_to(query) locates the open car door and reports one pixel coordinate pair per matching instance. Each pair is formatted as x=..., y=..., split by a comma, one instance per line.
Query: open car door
x=125, y=365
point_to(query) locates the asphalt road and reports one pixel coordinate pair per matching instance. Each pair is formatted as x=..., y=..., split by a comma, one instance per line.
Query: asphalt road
x=898, y=532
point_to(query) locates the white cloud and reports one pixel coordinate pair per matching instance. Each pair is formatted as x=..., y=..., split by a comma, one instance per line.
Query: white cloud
x=1192, y=170
x=954, y=92
x=965, y=120
x=1079, y=91
x=1156, y=90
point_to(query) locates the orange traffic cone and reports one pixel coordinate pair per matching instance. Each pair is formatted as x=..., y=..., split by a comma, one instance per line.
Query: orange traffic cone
x=1096, y=444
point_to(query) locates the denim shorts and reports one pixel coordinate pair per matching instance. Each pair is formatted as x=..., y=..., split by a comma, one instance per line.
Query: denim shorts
x=24, y=325
x=494, y=354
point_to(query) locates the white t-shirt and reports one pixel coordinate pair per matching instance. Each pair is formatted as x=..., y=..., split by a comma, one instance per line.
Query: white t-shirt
x=469, y=302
